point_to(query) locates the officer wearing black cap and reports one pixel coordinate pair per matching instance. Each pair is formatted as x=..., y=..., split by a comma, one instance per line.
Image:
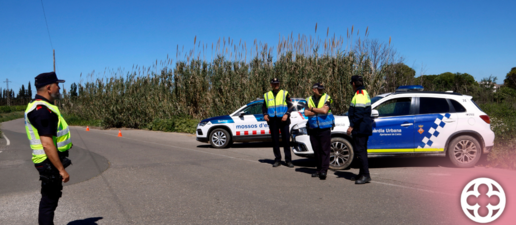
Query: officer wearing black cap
x=276, y=111
x=360, y=127
x=50, y=141
x=320, y=123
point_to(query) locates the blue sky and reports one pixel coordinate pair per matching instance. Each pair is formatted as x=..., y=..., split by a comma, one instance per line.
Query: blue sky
x=475, y=37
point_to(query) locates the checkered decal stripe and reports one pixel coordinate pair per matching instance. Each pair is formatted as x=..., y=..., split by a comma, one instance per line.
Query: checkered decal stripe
x=253, y=132
x=434, y=131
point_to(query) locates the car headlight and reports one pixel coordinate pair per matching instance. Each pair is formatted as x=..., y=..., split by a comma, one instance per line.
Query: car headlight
x=302, y=131
x=201, y=124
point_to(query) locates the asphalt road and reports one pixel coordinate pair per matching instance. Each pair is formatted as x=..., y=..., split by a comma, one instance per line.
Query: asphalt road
x=150, y=177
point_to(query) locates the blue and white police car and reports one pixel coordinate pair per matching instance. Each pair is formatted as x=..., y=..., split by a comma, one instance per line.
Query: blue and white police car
x=244, y=125
x=413, y=122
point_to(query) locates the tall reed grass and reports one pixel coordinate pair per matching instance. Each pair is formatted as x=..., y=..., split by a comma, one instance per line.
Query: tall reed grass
x=215, y=79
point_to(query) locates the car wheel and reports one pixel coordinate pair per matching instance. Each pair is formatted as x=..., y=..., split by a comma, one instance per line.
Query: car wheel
x=464, y=151
x=220, y=138
x=341, y=153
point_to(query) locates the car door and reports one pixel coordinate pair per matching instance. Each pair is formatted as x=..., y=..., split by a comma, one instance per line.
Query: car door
x=393, y=130
x=249, y=122
x=435, y=122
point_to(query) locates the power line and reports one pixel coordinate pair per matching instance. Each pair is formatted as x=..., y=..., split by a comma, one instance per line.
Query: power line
x=48, y=31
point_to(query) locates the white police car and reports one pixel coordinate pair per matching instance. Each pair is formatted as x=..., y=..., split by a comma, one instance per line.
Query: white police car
x=413, y=122
x=244, y=125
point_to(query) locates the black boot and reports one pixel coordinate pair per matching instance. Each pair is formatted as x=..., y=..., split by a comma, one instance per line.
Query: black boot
x=364, y=179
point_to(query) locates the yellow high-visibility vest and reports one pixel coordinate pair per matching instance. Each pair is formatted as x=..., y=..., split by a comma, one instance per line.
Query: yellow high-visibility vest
x=62, y=141
x=276, y=107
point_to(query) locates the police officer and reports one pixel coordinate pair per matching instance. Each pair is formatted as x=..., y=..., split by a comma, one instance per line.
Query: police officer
x=360, y=126
x=276, y=111
x=49, y=138
x=320, y=123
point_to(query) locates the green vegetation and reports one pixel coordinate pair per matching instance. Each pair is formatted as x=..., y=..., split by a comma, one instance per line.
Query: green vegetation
x=13, y=108
x=182, y=124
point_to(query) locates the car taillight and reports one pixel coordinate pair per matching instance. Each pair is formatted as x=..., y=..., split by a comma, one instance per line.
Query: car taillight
x=486, y=119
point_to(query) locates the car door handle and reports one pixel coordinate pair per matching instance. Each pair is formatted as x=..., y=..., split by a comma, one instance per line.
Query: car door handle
x=449, y=121
x=407, y=124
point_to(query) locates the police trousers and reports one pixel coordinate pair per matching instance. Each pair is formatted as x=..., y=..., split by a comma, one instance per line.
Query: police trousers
x=321, y=144
x=51, y=187
x=276, y=125
x=360, y=149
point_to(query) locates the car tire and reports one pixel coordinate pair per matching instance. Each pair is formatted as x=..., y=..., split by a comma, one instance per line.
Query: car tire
x=341, y=153
x=220, y=138
x=464, y=151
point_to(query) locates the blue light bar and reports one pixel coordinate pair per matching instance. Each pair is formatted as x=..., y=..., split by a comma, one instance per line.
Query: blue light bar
x=410, y=88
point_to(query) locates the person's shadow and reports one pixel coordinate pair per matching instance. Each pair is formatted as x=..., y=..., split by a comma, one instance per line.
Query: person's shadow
x=87, y=221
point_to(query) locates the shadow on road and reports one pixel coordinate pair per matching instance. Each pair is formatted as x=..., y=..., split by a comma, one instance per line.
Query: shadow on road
x=87, y=221
x=346, y=175
x=387, y=162
x=246, y=145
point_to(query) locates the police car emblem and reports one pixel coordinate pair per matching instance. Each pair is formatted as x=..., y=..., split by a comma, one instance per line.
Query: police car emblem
x=421, y=129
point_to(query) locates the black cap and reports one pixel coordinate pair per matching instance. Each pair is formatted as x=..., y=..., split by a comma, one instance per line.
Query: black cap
x=318, y=86
x=356, y=78
x=46, y=78
x=274, y=81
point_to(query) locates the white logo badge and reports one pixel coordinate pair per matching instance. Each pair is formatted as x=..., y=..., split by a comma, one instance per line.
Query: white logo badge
x=493, y=211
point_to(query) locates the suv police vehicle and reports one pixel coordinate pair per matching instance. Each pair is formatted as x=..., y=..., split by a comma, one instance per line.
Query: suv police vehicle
x=413, y=122
x=244, y=125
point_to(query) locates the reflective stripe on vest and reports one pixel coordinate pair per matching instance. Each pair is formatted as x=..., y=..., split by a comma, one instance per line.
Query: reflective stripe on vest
x=62, y=141
x=320, y=120
x=276, y=106
x=361, y=99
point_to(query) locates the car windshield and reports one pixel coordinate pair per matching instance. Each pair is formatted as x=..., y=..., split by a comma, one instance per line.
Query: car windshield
x=375, y=99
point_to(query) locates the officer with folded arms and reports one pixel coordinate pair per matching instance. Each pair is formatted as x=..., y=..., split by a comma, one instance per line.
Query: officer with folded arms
x=360, y=127
x=49, y=138
x=320, y=123
x=276, y=111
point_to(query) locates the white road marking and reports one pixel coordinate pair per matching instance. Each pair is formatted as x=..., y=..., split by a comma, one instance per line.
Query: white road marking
x=231, y=157
x=7, y=139
x=439, y=174
x=419, y=189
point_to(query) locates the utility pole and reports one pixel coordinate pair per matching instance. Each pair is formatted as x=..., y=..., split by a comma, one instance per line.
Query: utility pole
x=8, y=92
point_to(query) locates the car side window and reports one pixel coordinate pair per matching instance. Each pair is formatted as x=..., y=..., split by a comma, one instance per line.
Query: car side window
x=433, y=105
x=395, y=107
x=253, y=109
x=458, y=107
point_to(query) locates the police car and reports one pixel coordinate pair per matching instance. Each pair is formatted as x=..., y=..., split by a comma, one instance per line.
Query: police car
x=244, y=125
x=413, y=122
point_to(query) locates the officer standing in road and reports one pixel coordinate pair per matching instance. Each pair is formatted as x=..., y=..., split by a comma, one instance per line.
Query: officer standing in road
x=50, y=141
x=320, y=123
x=360, y=127
x=276, y=111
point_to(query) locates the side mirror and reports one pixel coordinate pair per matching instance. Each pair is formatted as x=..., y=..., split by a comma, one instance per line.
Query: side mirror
x=241, y=114
x=374, y=113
